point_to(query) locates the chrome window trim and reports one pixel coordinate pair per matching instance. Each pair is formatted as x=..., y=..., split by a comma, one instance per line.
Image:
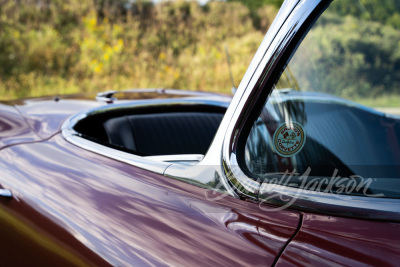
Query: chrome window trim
x=213, y=165
x=214, y=153
x=304, y=200
x=297, y=12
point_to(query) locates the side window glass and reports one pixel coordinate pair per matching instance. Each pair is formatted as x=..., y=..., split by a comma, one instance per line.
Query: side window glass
x=335, y=111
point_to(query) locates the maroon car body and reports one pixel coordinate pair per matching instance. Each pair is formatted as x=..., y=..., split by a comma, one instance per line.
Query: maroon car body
x=75, y=202
x=75, y=207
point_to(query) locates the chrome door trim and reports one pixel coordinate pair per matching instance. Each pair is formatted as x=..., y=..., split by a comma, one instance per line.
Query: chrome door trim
x=179, y=158
x=157, y=164
x=74, y=138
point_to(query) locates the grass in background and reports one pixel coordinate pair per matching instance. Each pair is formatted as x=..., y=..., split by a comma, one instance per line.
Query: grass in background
x=64, y=47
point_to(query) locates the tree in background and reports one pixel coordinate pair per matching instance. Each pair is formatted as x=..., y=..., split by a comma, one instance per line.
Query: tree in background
x=52, y=47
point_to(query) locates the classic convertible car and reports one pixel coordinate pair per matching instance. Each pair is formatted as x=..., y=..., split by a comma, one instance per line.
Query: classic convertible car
x=285, y=172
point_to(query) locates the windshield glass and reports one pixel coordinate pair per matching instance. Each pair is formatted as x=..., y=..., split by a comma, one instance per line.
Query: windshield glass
x=334, y=114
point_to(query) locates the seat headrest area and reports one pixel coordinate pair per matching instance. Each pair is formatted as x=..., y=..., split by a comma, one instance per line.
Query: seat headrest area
x=164, y=133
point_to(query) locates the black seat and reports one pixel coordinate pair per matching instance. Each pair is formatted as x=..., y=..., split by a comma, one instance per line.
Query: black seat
x=164, y=133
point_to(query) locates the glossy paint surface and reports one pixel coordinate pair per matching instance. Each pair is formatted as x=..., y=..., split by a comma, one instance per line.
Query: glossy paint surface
x=128, y=216
x=45, y=117
x=74, y=207
x=38, y=241
x=13, y=127
x=334, y=241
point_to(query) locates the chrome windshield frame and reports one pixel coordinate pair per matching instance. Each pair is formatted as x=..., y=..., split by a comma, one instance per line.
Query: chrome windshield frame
x=250, y=89
x=271, y=54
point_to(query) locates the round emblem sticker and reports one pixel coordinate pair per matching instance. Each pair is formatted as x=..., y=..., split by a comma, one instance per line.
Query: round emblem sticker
x=289, y=139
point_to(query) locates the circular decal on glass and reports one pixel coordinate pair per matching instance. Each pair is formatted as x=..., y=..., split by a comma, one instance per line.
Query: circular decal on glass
x=289, y=139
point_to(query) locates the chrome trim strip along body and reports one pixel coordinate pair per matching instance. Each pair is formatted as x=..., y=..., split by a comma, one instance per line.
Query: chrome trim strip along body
x=206, y=176
x=148, y=163
x=330, y=203
x=5, y=193
x=177, y=158
x=137, y=161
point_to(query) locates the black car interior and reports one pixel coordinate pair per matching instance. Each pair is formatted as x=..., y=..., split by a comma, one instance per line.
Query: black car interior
x=155, y=131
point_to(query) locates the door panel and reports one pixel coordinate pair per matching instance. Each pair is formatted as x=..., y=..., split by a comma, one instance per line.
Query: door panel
x=333, y=241
x=129, y=216
x=30, y=239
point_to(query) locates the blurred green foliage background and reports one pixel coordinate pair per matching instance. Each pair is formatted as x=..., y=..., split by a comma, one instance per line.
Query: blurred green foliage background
x=353, y=51
x=50, y=47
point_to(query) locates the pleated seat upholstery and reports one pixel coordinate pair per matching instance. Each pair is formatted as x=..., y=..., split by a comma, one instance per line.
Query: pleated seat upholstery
x=164, y=133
